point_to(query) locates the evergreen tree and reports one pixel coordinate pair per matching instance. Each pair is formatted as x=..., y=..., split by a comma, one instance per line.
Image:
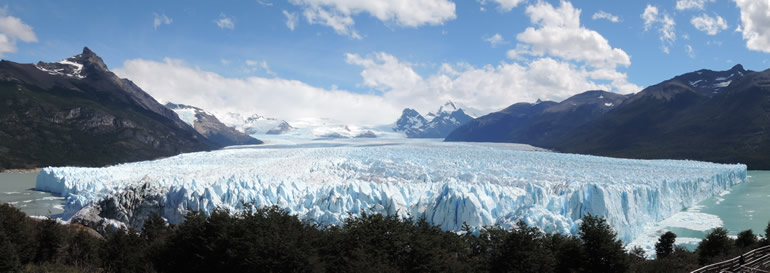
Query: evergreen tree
x=523, y=251
x=604, y=251
x=716, y=246
x=9, y=260
x=746, y=240
x=665, y=245
x=50, y=238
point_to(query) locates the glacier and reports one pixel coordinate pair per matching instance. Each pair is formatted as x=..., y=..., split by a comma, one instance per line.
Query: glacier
x=447, y=183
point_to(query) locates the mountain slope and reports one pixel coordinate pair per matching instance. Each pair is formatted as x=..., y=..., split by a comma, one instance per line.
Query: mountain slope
x=210, y=127
x=77, y=112
x=255, y=124
x=436, y=125
x=731, y=126
x=718, y=116
x=540, y=122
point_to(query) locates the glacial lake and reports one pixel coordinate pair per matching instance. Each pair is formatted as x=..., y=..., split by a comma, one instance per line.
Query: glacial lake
x=17, y=190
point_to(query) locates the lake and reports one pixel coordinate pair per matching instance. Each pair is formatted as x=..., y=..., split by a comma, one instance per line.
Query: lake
x=17, y=190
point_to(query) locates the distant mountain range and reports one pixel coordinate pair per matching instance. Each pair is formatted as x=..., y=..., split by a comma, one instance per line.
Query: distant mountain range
x=437, y=125
x=719, y=116
x=77, y=112
x=255, y=124
x=210, y=127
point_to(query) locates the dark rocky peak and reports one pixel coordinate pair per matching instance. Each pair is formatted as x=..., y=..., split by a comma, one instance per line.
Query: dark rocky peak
x=601, y=100
x=78, y=66
x=708, y=82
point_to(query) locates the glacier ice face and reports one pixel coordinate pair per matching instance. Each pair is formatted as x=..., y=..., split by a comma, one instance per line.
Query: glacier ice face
x=448, y=183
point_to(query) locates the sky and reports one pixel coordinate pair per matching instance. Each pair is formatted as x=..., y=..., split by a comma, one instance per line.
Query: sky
x=363, y=61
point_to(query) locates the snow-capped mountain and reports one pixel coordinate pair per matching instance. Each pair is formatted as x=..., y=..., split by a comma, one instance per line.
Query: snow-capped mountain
x=84, y=115
x=209, y=126
x=435, y=125
x=255, y=124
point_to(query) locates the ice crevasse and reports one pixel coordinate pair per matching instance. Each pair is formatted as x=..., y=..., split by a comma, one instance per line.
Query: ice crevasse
x=447, y=183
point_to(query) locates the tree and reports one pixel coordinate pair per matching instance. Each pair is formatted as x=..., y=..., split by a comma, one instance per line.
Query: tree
x=746, y=239
x=523, y=251
x=716, y=245
x=604, y=252
x=50, y=238
x=665, y=245
x=9, y=260
x=767, y=234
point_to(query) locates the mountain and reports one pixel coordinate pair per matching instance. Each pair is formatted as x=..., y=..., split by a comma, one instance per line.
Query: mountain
x=77, y=112
x=210, y=127
x=718, y=116
x=436, y=125
x=535, y=123
x=255, y=124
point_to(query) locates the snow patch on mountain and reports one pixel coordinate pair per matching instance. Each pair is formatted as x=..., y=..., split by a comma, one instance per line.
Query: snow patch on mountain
x=447, y=183
x=434, y=125
x=254, y=124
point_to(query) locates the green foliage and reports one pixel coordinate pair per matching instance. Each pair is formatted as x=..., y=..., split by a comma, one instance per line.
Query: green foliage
x=269, y=239
x=51, y=239
x=9, y=260
x=604, y=251
x=716, y=246
x=746, y=240
x=523, y=251
x=665, y=245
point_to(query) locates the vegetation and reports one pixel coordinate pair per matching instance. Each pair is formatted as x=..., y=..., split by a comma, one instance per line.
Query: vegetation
x=271, y=240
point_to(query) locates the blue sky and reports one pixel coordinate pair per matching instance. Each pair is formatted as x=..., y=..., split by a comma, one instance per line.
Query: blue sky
x=337, y=58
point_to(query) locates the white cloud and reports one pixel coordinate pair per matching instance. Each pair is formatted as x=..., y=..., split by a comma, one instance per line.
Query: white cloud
x=755, y=17
x=650, y=16
x=253, y=66
x=224, y=61
x=13, y=29
x=558, y=33
x=692, y=4
x=161, y=19
x=503, y=5
x=487, y=88
x=264, y=3
x=291, y=19
x=175, y=81
x=690, y=52
x=225, y=22
x=709, y=25
x=605, y=15
x=338, y=14
x=665, y=23
x=495, y=40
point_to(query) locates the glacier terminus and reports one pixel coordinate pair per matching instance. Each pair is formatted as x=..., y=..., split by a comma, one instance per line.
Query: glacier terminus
x=449, y=184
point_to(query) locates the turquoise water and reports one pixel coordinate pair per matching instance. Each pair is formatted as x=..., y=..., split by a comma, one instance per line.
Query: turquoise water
x=747, y=206
x=17, y=190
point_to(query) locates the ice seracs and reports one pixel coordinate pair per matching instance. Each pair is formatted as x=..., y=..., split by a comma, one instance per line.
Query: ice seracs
x=447, y=183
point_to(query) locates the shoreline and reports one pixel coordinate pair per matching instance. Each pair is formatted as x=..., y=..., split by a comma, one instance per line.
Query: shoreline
x=35, y=170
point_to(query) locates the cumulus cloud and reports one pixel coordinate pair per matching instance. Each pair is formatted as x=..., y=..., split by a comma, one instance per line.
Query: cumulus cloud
x=225, y=22
x=709, y=25
x=559, y=58
x=605, y=15
x=690, y=52
x=291, y=19
x=338, y=14
x=13, y=29
x=487, y=88
x=265, y=3
x=665, y=24
x=253, y=66
x=495, y=40
x=502, y=5
x=755, y=17
x=161, y=19
x=558, y=33
x=175, y=81
x=691, y=4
